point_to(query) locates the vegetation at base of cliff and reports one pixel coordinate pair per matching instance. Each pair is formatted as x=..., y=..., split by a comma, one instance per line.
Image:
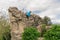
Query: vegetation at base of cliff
x=4, y=29
x=30, y=33
x=53, y=33
x=43, y=29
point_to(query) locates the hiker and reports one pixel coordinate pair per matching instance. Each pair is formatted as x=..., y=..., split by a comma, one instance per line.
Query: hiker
x=28, y=14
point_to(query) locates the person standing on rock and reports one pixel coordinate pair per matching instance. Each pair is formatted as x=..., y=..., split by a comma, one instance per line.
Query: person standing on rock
x=28, y=14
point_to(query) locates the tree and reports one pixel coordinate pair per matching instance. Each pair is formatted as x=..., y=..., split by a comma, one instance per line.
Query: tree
x=30, y=33
x=47, y=20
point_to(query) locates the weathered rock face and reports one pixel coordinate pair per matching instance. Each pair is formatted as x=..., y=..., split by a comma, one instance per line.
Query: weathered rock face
x=19, y=21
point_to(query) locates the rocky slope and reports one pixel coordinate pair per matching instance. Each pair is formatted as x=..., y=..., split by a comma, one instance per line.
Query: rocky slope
x=18, y=21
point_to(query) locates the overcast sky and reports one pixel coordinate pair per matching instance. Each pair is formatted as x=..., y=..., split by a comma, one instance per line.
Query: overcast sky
x=42, y=8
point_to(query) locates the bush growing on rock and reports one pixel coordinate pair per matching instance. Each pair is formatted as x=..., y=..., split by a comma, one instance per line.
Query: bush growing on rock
x=30, y=33
x=47, y=20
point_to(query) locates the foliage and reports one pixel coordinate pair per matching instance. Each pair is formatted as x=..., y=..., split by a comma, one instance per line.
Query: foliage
x=30, y=33
x=4, y=29
x=47, y=20
x=53, y=33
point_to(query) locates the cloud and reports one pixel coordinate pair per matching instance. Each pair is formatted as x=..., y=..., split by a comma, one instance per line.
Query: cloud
x=49, y=8
x=36, y=4
x=43, y=8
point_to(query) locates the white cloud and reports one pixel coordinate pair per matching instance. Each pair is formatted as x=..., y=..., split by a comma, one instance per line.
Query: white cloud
x=56, y=21
x=37, y=4
x=49, y=8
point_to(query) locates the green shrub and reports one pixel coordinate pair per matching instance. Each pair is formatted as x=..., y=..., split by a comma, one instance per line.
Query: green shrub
x=53, y=34
x=30, y=33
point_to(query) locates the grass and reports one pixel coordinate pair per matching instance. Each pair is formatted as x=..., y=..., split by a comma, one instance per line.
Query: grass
x=4, y=29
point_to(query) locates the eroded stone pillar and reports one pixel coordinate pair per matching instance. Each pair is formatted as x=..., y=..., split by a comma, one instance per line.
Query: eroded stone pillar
x=15, y=23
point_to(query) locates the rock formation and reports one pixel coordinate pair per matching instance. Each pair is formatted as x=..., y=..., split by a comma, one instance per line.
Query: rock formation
x=18, y=21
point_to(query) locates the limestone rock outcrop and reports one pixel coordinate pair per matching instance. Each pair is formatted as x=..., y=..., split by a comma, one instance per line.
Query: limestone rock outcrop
x=18, y=21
